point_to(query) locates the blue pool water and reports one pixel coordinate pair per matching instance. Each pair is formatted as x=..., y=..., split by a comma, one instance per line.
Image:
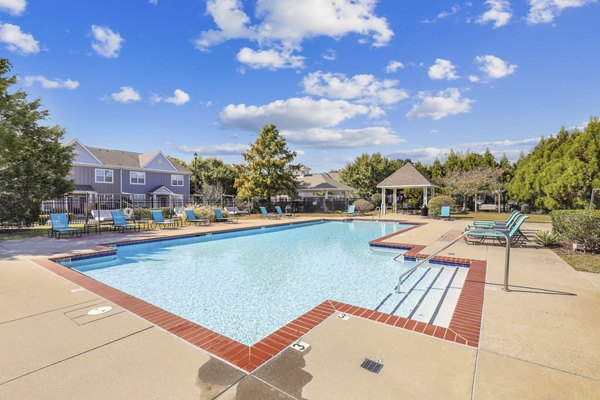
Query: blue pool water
x=247, y=284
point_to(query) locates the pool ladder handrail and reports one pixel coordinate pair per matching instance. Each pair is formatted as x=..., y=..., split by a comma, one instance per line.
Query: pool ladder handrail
x=376, y=213
x=506, y=259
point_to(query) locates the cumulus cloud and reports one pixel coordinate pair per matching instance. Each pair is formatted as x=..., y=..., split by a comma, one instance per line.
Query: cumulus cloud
x=393, y=66
x=50, y=83
x=17, y=41
x=364, y=88
x=127, y=94
x=494, y=67
x=498, y=13
x=179, y=98
x=342, y=138
x=438, y=105
x=442, y=69
x=545, y=11
x=13, y=7
x=106, y=42
x=270, y=59
x=224, y=149
x=285, y=24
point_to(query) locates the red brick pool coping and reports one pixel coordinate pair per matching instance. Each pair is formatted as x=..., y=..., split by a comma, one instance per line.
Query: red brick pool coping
x=464, y=327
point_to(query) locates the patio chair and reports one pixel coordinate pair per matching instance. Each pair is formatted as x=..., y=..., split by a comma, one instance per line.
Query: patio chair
x=500, y=224
x=236, y=211
x=268, y=215
x=351, y=210
x=282, y=214
x=60, y=225
x=445, y=212
x=514, y=234
x=119, y=222
x=190, y=216
x=219, y=217
x=158, y=219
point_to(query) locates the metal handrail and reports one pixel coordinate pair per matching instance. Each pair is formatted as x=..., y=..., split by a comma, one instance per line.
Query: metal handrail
x=373, y=216
x=506, y=259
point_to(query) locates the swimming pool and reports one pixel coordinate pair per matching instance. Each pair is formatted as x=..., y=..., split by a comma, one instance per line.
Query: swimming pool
x=246, y=284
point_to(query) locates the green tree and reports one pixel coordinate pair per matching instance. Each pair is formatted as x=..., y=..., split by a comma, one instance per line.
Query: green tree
x=33, y=164
x=268, y=170
x=367, y=171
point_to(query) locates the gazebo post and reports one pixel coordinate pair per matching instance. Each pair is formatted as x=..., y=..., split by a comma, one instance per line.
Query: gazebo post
x=383, y=201
x=395, y=201
x=425, y=196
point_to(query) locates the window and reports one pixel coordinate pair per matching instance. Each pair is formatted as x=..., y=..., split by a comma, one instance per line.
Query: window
x=176, y=180
x=104, y=176
x=137, y=178
x=139, y=200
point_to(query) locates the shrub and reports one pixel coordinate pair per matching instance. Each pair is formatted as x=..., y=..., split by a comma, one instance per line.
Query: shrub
x=546, y=238
x=376, y=199
x=203, y=211
x=578, y=226
x=363, y=205
x=436, y=203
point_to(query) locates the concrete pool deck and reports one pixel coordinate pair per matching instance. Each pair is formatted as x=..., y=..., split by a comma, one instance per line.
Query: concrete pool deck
x=538, y=341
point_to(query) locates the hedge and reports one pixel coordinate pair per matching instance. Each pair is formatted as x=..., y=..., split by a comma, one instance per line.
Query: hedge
x=435, y=204
x=363, y=205
x=578, y=226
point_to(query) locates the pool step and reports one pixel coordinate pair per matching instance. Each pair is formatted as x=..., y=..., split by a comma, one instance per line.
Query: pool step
x=428, y=295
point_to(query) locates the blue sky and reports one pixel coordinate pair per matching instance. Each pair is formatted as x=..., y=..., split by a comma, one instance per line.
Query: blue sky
x=338, y=77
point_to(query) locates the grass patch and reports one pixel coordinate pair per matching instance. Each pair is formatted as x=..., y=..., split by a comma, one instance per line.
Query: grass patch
x=492, y=216
x=586, y=262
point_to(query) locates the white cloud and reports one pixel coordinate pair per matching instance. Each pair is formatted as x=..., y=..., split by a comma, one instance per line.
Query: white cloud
x=179, y=98
x=50, y=83
x=364, y=88
x=106, y=42
x=494, y=67
x=442, y=69
x=473, y=78
x=270, y=59
x=285, y=24
x=13, y=7
x=153, y=2
x=127, y=94
x=545, y=11
x=17, y=41
x=342, y=138
x=439, y=105
x=444, y=14
x=329, y=55
x=393, y=66
x=224, y=149
x=498, y=13
x=292, y=114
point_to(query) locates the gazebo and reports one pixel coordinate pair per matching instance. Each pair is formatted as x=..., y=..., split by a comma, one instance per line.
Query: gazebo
x=327, y=183
x=405, y=177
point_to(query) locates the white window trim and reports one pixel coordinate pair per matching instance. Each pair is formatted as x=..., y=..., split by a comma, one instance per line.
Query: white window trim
x=131, y=173
x=178, y=176
x=104, y=175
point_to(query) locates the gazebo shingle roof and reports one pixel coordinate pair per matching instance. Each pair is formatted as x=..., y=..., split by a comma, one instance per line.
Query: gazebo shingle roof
x=322, y=181
x=406, y=176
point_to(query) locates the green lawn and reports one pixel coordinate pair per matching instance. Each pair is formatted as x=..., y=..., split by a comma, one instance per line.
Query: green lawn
x=500, y=216
x=583, y=262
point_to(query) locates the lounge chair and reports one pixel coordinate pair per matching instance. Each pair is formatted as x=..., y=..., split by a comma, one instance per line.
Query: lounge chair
x=236, y=211
x=220, y=218
x=351, y=210
x=191, y=217
x=514, y=234
x=120, y=222
x=501, y=224
x=281, y=213
x=60, y=224
x=158, y=219
x=268, y=215
x=445, y=212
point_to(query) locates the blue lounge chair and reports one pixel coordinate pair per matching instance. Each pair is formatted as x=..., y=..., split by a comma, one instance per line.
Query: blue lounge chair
x=158, y=219
x=265, y=214
x=445, y=212
x=351, y=210
x=60, y=224
x=119, y=222
x=220, y=218
x=281, y=214
x=514, y=234
x=499, y=224
x=190, y=216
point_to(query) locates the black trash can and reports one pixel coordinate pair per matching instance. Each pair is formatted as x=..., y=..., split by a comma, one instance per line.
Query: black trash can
x=424, y=211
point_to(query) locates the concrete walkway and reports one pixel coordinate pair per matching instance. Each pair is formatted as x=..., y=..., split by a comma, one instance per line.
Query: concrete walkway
x=539, y=341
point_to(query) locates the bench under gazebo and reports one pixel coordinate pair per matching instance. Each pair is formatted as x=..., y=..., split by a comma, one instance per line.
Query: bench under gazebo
x=406, y=177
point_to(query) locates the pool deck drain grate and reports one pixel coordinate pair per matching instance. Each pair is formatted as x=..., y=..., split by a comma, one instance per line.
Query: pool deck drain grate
x=372, y=366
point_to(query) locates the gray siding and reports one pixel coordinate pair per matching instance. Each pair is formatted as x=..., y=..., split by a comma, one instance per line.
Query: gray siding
x=160, y=163
x=86, y=176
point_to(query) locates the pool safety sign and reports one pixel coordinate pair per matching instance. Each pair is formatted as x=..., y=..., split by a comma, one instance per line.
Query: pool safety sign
x=300, y=346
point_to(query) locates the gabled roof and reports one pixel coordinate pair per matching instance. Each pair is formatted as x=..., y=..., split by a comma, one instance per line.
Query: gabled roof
x=161, y=189
x=322, y=181
x=127, y=159
x=406, y=176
